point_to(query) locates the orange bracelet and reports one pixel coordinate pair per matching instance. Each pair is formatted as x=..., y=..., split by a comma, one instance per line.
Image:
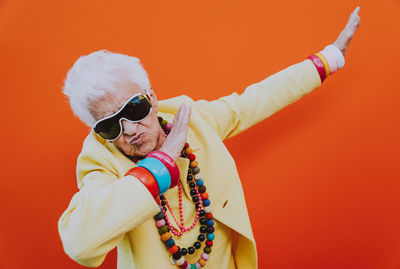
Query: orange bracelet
x=146, y=178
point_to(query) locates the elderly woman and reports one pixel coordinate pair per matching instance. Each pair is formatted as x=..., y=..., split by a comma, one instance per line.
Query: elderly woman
x=155, y=178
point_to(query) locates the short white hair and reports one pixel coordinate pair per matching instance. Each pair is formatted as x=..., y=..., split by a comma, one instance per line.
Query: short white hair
x=99, y=73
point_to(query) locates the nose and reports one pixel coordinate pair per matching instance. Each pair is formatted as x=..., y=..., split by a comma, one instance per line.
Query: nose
x=129, y=128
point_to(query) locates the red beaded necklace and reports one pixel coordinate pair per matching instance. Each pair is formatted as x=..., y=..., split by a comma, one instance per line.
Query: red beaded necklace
x=181, y=225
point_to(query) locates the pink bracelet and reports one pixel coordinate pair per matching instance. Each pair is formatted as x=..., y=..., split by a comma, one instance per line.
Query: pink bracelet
x=331, y=60
x=319, y=65
x=169, y=164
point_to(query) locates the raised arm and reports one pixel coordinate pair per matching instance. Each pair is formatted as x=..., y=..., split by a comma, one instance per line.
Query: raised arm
x=235, y=113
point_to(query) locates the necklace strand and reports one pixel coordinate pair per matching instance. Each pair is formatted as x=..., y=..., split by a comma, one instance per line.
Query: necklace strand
x=200, y=197
x=181, y=225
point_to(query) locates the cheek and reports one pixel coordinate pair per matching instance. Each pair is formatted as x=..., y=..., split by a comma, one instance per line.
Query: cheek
x=152, y=135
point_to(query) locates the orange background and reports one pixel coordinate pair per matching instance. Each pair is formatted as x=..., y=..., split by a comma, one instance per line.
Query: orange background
x=321, y=177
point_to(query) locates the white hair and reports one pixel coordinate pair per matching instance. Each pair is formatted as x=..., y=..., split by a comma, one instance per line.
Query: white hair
x=99, y=73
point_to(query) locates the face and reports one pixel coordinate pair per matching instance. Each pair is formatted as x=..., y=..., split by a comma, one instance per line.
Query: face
x=138, y=138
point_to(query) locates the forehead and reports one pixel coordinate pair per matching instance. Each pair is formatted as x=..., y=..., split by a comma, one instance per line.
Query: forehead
x=110, y=102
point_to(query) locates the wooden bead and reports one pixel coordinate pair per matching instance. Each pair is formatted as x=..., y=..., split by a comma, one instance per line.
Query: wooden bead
x=209, y=243
x=160, y=223
x=207, y=250
x=204, y=195
x=165, y=236
x=202, y=262
x=177, y=255
x=173, y=249
x=206, y=202
x=159, y=216
x=202, y=189
x=210, y=237
x=169, y=243
x=184, y=265
x=201, y=237
x=193, y=164
x=192, y=157
x=196, y=170
x=205, y=256
x=209, y=216
x=188, y=151
x=180, y=261
x=197, y=245
x=210, y=229
x=163, y=229
x=207, y=209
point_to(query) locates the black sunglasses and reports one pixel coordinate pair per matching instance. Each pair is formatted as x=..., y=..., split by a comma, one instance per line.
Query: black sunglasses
x=135, y=109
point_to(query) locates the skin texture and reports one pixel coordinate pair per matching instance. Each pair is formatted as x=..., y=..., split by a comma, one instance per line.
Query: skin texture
x=140, y=138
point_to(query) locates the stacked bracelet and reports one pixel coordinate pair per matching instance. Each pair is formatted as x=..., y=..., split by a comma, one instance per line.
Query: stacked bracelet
x=319, y=65
x=327, y=61
x=338, y=55
x=146, y=178
x=330, y=58
x=324, y=62
x=159, y=171
x=169, y=164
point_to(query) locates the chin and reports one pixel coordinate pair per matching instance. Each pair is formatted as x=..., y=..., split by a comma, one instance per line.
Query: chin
x=140, y=151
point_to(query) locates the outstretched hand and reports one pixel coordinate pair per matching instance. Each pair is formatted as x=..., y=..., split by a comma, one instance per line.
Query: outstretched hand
x=343, y=41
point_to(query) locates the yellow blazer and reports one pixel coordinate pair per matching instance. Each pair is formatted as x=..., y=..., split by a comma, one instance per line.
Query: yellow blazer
x=113, y=210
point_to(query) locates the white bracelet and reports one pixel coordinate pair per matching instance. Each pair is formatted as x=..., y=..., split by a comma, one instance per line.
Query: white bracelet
x=338, y=55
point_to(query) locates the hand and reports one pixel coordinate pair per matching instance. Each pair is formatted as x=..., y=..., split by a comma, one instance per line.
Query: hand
x=343, y=41
x=176, y=138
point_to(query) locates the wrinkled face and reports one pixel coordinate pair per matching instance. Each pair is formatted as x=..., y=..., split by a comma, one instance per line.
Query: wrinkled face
x=136, y=139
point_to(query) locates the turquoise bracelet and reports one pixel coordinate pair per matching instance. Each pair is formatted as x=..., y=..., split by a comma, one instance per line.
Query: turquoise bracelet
x=159, y=171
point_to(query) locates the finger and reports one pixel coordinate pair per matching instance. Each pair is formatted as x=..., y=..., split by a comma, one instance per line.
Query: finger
x=353, y=21
x=355, y=12
x=183, y=120
x=178, y=118
x=178, y=115
x=187, y=116
x=181, y=125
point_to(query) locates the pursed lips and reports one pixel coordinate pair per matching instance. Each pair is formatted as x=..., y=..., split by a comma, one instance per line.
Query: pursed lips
x=137, y=139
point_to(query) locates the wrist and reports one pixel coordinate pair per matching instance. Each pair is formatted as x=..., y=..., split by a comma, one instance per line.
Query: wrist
x=171, y=153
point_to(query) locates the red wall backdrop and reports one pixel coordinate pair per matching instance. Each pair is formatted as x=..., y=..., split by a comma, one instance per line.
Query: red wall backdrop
x=321, y=177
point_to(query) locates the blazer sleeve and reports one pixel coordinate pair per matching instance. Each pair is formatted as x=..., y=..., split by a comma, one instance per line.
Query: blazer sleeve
x=104, y=209
x=231, y=115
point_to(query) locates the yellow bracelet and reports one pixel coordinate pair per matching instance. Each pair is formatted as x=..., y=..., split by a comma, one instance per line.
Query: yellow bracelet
x=324, y=61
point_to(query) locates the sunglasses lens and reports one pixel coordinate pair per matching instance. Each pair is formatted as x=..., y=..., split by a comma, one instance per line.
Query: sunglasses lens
x=138, y=108
x=108, y=129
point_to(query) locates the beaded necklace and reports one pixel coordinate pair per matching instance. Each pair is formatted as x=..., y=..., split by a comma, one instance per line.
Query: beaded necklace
x=203, y=210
